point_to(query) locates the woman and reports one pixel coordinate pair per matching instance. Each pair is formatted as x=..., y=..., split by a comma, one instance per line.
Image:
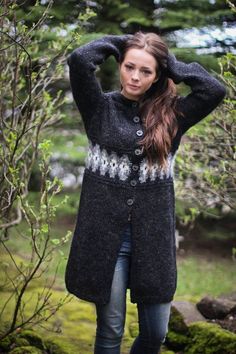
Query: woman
x=125, y=231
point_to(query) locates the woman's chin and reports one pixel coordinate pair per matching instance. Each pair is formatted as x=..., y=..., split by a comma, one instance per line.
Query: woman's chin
x=132, y=94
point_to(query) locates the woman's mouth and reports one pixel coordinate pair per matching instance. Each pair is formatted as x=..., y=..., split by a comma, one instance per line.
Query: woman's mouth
x=135, y=87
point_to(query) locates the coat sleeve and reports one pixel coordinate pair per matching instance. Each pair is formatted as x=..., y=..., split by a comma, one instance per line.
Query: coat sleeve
x=82, y=62
x=206, y=91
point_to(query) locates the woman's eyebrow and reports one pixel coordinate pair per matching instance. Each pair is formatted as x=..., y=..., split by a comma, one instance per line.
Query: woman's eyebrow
x=143, y=67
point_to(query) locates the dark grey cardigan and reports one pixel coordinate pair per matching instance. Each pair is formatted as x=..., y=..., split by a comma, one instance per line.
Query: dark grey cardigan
x=118, y=185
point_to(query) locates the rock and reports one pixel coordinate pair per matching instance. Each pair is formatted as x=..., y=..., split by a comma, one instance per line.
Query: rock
x=176, y=322
x=229, y=323
x=211, y=339
x=188, y=311
x=182, y=314
x=215, y=308
x=231, y=296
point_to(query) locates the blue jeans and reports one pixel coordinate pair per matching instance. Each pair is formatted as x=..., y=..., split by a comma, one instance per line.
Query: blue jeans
x=153, y=318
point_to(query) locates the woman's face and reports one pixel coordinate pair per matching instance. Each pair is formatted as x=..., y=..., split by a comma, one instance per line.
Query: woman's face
x=138, y=72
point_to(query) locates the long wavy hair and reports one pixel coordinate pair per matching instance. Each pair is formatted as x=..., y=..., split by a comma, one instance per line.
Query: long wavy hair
x=157, y=106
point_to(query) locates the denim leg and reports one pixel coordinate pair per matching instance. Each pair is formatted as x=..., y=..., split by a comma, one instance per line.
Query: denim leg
x=153, y=327
x=111, y=316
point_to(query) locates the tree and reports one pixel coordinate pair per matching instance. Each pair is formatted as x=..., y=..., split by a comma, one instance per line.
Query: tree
x=31, y=61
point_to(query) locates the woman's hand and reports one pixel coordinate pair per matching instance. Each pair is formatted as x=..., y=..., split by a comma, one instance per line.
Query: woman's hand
x=119, y=42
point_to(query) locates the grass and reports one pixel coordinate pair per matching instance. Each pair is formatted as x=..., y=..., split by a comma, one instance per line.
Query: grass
x=199, y=276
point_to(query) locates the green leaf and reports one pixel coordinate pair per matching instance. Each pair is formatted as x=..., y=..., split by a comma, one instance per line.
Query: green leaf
x=44, y=228
x=55, y=241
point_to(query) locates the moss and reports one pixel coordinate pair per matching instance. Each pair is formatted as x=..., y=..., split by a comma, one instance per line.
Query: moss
x=208, y=338
x=5, y=343
x=85, y=313
x=21, y=342
x=133, y=329
x=56, y=346
x=33, y=338
x=176, y=341
x=26, y=350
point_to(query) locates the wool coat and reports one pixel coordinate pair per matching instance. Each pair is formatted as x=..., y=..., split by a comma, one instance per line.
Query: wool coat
x=118, y=185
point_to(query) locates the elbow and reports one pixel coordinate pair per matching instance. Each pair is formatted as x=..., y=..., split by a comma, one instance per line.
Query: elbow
x=216, y=90
x=220, y=92
x=75, y=58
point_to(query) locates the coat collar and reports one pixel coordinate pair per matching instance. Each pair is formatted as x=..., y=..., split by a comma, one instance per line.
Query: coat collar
x=118, y=97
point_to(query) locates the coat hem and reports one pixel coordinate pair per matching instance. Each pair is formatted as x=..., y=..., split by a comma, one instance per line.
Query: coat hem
x=88, y=298
x=134, y=299
x=151, y=299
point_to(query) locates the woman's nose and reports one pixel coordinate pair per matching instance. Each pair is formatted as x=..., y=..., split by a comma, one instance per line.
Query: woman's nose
x=135, y=75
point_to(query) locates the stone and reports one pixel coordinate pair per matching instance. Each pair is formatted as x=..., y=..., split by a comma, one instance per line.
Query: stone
x=182, y=314
x=230, y=296
x=188, y=313
x=229, y=323
x=216, y=308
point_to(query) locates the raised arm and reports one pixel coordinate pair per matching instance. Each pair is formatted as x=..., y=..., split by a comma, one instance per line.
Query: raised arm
x=82, y=63
x=206, y=91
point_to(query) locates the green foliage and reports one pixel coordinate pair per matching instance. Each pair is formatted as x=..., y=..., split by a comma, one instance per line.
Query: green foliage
x=31, y=62
x=183, y=14
x=206, y=164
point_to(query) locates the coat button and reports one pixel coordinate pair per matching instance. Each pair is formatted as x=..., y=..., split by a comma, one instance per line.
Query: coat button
x=133, y=182
x=139, y=132
x=138, y=151
x=136, y=119
x=130, y=201
x=135, y=167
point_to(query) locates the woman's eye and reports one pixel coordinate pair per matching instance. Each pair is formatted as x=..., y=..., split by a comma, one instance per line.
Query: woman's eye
x=146, y=72
x=128, y=67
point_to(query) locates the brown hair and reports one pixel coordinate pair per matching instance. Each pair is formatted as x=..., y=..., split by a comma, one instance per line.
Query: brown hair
x=157, y=106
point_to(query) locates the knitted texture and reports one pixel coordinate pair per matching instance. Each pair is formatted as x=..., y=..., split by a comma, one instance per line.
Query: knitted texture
x=118, y=184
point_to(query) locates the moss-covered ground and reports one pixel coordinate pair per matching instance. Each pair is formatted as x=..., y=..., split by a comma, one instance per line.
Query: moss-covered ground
x=73, y=326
